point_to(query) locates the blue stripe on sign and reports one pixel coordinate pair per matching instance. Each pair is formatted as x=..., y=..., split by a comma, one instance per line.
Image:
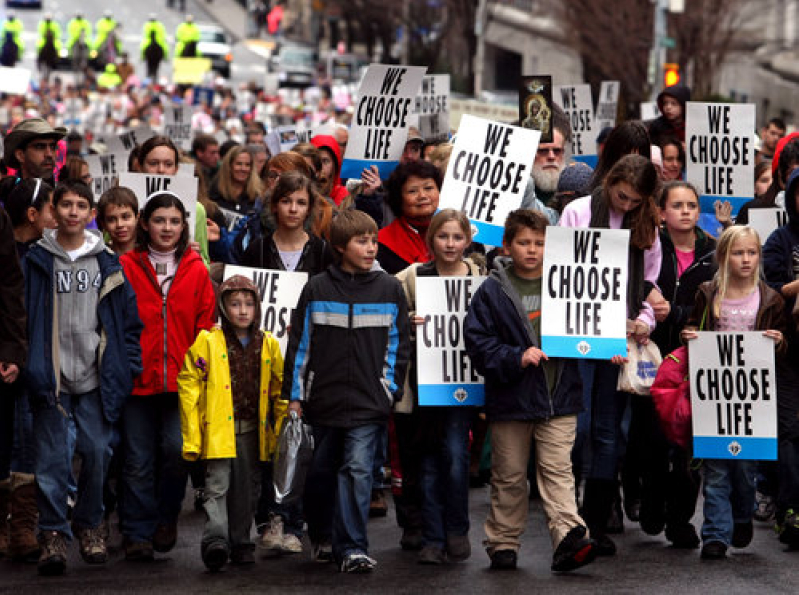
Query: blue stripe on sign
x=352, y=168
x=749, y=449
x=706, y=202
x=584, y=347
x=487, y=233
x=590, y=160
x=452, y=395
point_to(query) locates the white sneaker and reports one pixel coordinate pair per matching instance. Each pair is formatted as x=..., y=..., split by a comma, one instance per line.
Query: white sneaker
x=272, y=538
x=291, y=544
x=358, y=563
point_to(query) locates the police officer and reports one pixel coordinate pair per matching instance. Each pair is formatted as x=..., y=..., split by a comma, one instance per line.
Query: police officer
x=103, y=28
x=78, y=27
x=187, y=34
x=12, y=31
x=49, y=26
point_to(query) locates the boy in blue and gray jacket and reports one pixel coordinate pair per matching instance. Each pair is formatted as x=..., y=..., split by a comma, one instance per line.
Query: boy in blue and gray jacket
x=529, y=396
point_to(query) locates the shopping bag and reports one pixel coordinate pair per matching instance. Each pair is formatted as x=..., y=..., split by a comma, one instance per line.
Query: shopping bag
x=292, y=459
x=638, y=374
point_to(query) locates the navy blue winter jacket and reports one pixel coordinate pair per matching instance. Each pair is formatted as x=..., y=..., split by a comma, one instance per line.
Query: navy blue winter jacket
x=497, y=333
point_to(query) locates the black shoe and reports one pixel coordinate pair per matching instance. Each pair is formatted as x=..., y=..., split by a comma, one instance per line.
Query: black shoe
x=683, y=537
x=503, y=560
x=242, y=555
x=574, y=551
x=165, y=537
x=742, y=534
x=411, y=540
x=215, y=555
x=604, y=546
x=714, y=550
x=652, y=519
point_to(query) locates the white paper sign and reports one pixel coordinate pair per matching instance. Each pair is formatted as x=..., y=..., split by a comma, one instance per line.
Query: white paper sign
x=720, y=153
x=177, y=124
x=14, y=81
x=579, y=107
x=432, y=107
x=733, y=396
x=649, y=110
x=125, y=142
x=185, y=187
x=445, y=373
x=104, y=170
x=487, y=174
x=765, y=221
x=379, y=125
x=607, y=105
x=280, y=291
x=584, y=293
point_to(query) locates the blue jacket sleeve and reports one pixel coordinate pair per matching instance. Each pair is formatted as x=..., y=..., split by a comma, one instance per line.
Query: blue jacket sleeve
x=298, y=347
x=133, y=330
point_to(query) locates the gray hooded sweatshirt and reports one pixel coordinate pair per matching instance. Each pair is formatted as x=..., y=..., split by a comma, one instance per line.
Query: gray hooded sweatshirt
x=77, y=290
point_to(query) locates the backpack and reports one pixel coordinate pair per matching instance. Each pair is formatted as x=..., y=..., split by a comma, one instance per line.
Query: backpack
x=672, y=398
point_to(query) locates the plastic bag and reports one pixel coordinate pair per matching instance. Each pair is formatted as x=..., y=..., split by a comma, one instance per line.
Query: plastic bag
x=292, y=459
x=638, y=374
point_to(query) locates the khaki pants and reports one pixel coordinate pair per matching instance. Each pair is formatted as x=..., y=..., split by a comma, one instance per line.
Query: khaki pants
x=510, y=453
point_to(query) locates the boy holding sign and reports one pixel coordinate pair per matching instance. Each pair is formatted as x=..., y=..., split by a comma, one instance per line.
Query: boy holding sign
x=736, y=300
x=528, y=396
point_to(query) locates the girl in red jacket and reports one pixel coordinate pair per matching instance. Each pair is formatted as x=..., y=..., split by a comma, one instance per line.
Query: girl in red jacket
x=176, y=302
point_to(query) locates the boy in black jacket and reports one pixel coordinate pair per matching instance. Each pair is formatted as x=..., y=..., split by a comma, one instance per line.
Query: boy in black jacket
x=346, y=360
x=529, y=396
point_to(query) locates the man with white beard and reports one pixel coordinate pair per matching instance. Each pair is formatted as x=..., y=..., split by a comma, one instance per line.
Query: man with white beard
x=550, y=160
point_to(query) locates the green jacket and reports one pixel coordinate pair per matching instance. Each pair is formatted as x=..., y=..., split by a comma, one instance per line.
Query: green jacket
x=15, y=27
x=75, y=27
x=44, y=27
x=186, y=33
x=160, y=37
x=110, y=78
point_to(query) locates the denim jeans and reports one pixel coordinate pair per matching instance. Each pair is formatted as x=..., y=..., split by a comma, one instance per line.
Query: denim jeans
x=154, y=475
x=22, y=460
x=342, y=466
x=444, y=478
x=729, y=491
x=53, y=456
x=607, y=416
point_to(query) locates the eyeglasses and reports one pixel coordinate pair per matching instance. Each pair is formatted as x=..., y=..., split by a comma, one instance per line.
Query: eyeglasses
x=545, y=151
x=43, y=146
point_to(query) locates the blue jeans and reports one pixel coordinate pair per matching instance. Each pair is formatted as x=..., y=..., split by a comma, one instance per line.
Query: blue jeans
x=729, y=491
x=444, y=478
x=22, y=460
x=581, y=453
x=154, y=475
x=607, y=414
x=342, y=466
x=53, y=456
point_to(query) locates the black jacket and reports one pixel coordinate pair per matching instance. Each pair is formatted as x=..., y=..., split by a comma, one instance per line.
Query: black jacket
x=263, y=254
x=348, y=348
x=13, y=338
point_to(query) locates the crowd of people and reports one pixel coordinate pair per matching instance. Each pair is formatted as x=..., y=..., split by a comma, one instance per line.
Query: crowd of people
x=130, y=362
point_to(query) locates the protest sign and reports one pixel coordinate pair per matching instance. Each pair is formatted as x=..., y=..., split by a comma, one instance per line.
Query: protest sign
x=432, y=106
x=607, y=106
x=495, y=112
x=289, y=136
x=126, y=141
x=185, y=187
x=535, y=105
x=584, y=301
x=280, y=291
x=487, y=174
x=104, y=170
x=379, y=125
x=649, y=110
x=733, y=396
x=177, y=124
x=14, y=81
x=445, y=372
x=765, y=221
x=579, y=107
x=720, y=153
x=190, y=71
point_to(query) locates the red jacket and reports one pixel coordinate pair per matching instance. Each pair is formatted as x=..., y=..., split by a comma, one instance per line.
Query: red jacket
x=325, y=141
x=189, y=308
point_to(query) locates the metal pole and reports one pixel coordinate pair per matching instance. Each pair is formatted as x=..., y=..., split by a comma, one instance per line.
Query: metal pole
x=479, y=58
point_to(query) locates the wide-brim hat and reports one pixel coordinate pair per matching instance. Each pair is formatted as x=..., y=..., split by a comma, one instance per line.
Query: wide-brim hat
x=26, y=131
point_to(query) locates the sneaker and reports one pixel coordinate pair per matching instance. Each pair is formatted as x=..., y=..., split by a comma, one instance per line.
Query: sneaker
x=378, y=507
x=92, y=545
x=139, y=551
x=742, y=534
x=503, y=560
x=766, y=508
x=272, y=538
x=574, y=551
x=683, y=537
x=215, y=555
x=411, y=540
x=291, y=544
x=358, y=564
x=242, y=555
x=458, y=548
x=322, y=552
x=432, y=555
x=165, y=537
x=53, y=559
x=714, y=550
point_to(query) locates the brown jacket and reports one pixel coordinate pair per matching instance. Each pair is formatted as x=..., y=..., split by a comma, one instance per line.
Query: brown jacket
x=13, y=338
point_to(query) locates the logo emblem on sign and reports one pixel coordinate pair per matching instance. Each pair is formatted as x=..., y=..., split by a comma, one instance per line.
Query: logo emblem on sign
x=735, y=448
x=583, y=347
x=460, y=395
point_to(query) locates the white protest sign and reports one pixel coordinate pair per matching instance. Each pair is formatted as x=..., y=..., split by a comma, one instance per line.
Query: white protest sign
x=177, y=124
x=126, y=141
x=185, y=187
x=607, y=105
x=280, y=291
x=445, y=372
x=720, y=153
x=487, y=174
x=104, y=170
x=584, y=293
x=289, y=136
x=379, y=125
x=579, y=107
x=14, y=81
x=733, y=396
x=432, y=106
x=649, y=110
x=765, y=221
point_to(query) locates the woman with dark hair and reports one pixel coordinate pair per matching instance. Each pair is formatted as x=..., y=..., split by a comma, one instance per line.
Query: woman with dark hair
x=413, y=193
x=786, y=159
x=630, y=137
x=673, y=159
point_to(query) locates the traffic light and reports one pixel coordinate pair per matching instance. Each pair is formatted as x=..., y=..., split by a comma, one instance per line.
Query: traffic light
x=671, y=74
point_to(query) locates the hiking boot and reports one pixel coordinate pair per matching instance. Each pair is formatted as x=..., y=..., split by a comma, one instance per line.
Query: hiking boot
x=378, y=507
x=683, y=537
x=272, y=538
x=291, y=544
x=742, y=534
x=165, y=537
x=322, y=552
x=5, y=505
x=92, y=545
x=23, y=546
x=215, y=555
x=766, y=508
x=458, y=548
x=574, y=550
x=714, y=550
x=53, y=558
x=503, y=559
x=358, y=564
x=139, y=551
x=411, y=540
x=432, y=555
x=242, y=555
